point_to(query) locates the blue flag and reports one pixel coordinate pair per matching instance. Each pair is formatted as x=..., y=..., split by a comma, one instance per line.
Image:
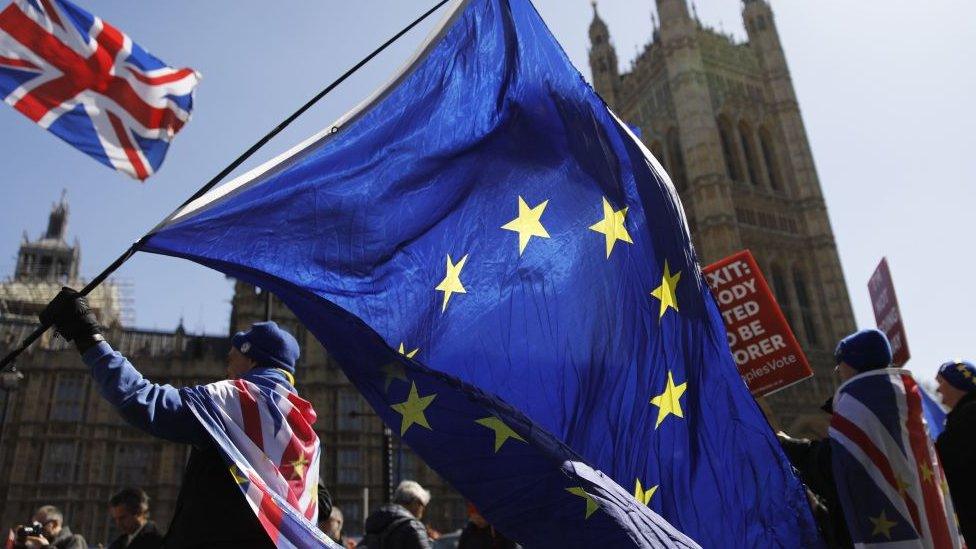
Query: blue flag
x=935, y=415
x=506, y=274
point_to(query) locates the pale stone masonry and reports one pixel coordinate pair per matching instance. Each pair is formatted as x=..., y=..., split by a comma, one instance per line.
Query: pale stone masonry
x=723, y=118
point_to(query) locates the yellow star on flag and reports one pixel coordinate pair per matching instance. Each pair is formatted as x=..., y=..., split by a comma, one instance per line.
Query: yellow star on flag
x=926, y=472
x=612, y=226
x=902, y=485
x=403, y=351
x=502, y=432
x=644, y=496
x=591, y=505
x=298, y=466
x=412, y=409
x=528, y=223
x=238, y=477
x=668, y=402
x=665, y=292
x=882, y=525
x=452, y=280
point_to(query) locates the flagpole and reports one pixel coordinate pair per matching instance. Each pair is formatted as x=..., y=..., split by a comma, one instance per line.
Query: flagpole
x=12, y=355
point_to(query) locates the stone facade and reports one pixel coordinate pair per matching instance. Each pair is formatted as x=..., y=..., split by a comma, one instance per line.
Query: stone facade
x=63, y=444
x=723, y=118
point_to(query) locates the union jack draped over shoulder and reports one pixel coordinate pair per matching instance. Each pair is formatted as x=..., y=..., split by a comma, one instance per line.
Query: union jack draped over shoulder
x=888, y=475
x=88, y=83
x=265, y=433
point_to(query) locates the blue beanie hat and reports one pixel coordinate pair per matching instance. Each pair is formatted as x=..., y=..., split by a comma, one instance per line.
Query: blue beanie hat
x=864, y=350
x=959, y=373
x=268, y=345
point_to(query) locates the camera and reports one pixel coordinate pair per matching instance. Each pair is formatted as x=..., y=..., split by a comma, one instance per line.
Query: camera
x=36, y=529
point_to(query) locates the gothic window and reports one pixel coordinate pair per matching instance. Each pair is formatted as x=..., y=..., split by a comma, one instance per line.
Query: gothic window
x=806, y=309
x=745, y=136
x=69, y=398
x=45, y=267
x=348, y=418
x=131, y=464
x=407, y=465
x=349, y=461
x=728, y=150
x=769, y=157
x=781, y=291
x=58, y=465
x=676, y=159
x=352, y=514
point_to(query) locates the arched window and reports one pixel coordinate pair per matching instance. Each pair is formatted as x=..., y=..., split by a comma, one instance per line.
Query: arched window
x=728, y=149
x=806, y=308
x=745, y=137
x=676, y=159
x=769, y=157
x=780, y=289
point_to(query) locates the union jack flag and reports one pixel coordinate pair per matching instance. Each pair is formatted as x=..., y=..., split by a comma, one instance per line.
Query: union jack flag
x=89, y=84
x=888, y=475
x=265, y=433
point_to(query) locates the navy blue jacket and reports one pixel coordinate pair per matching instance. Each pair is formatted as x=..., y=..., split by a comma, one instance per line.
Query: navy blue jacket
x=210, y=509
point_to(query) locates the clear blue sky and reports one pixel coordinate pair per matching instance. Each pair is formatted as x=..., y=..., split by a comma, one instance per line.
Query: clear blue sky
x=885, y=86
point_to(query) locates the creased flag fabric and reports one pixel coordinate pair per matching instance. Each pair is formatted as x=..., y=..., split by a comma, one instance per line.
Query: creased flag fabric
x=88, y=83
x=265, y=434
x=486, y=221
x=935, y=415
x=889, y=479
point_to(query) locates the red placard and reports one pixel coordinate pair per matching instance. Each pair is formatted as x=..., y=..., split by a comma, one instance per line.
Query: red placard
x=762, y=343
x=886, y=312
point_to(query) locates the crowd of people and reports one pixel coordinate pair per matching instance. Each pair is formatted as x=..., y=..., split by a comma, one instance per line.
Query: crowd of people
x=265, y=356
x=863, y=353
x=129, y=510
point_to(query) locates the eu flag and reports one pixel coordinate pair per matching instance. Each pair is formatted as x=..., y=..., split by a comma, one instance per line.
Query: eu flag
x=506, y=274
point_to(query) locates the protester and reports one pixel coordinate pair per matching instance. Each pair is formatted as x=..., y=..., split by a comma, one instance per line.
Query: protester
x=844, y=471
x=332, y=525
x=55, y=533
x=478, y=534
x=210, y=510
x=130, y=511
x=957, y=443
x=859, y=352
x=397, y=525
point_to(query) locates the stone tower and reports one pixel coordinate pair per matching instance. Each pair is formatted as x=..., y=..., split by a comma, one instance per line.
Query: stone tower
x=723, y=118
x=45, y=265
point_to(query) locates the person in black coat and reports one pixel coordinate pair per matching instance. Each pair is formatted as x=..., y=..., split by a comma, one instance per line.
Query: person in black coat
x=957, y=443
x=397, y=525
x=130, y=511
x=56, y=533
x=478, y=534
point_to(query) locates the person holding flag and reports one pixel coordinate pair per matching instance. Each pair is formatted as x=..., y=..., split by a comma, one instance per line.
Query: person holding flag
x=957, y=443
x=255, y=457
x=877, y=471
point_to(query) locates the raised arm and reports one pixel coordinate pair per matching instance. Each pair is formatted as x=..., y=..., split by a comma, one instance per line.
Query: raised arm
x=156, y=409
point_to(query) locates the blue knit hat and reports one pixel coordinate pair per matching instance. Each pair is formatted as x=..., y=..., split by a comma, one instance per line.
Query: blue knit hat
x=268, y=345
x=864, y=350
x=959, y=373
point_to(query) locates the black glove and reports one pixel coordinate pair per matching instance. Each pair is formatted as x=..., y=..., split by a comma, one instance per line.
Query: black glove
x=70, y=314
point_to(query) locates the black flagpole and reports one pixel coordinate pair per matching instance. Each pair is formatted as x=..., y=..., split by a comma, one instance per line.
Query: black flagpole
x=12, y=355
